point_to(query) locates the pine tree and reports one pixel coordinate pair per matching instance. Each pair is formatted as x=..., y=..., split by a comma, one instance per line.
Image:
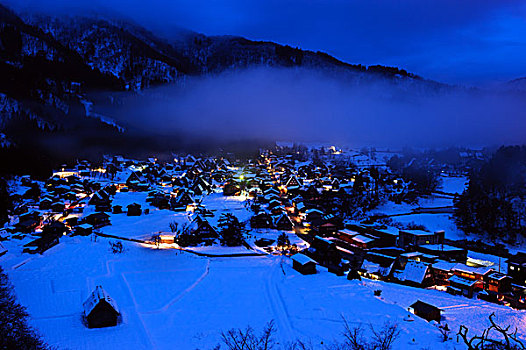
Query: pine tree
x=231, y=230
x=283, y=240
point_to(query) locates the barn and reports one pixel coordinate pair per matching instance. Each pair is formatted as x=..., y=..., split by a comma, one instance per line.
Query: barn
x=426, y=311
x=303, y=264
x=100, y=310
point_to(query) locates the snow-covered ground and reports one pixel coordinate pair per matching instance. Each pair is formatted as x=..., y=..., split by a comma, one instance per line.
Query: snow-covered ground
x=456, y=310
x=175, y=300
x=171, y=299
x=432, y=222
x=453, y=184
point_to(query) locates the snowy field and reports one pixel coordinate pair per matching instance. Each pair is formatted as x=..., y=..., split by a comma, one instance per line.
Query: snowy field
x=170, y=299
x=432, y=222
x=175, y=300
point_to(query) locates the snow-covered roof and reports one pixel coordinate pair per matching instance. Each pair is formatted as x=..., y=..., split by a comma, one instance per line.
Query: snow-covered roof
x=95, y=297
x=411, y=254
x=310, y=211
x=462, y=281
x=471, y=269
x=373, y=268
x=444, y=265
x=362, y=239
x=348, y=232
x=323, y=239
x=417, y=232
x=302, y=259
x=494, y=275
x=85, y=226
x=415, y=271
x=441, y=247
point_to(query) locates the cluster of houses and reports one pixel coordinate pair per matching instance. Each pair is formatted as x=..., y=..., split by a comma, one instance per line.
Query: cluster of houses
x=285, y=192
x=305, y=194
x=415, y=258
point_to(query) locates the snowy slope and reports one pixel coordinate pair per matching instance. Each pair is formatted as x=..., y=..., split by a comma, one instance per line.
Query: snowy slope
x=175, y=300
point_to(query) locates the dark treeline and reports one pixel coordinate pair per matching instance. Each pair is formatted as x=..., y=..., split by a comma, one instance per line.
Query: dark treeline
x=15, y=333
x=416, y=170
x=38, y=150
x=494, y=202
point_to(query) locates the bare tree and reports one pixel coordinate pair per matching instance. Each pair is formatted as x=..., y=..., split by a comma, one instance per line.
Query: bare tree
x=116, y=247
x=495, y=337
x=385, y=337
x=237, y=339
x=354, y=339
x=382, y=339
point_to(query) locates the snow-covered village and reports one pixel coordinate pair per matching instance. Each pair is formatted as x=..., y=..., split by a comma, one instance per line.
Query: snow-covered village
x=153, y=254
x=262, y=175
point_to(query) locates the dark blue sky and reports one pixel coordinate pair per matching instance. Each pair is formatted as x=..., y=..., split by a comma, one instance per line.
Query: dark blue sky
x=462, y=41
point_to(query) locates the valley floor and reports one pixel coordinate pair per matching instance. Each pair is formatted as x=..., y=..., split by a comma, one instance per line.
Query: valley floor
x=171, y=299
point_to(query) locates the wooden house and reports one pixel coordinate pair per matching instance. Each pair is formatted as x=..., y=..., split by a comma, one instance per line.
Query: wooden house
x=181, y=200
x=41, y=244
x=517, y=268
x=274, y=203
x=261, y=220
x=377, y=266
x=303, y=264
x=477, y=274
x=135, y=179
x=426, y=311
x=54, y=228
x=98, y=219
x=58, y=207
x=159, y=200
x=414, y=273
x=202, y=229
x=134, y=209
x=386, y=236
x=444, y=252
x=311, y=193
x=100, y=198
x=45, y=203
x=461, y=286
x=283, y=222
x=231, y=188
x=28, y=222
x=412, y=238
x=293, y=182
x=324, y=251
x=84, y=230
x=497, y=282
x=313, y=214
x=363, y=241
x=100, y=310
x=442, y=271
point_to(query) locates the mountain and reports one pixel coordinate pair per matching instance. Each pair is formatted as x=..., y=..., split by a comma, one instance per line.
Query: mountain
x=518, y=84
x=50, y=66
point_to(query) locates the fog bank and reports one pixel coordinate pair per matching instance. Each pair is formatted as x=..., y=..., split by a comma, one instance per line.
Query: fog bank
x=307, y=106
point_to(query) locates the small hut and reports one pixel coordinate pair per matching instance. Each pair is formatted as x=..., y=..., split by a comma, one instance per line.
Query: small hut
x=134, y=209
x=100, y=310
x=303, y=264
x=426, y=311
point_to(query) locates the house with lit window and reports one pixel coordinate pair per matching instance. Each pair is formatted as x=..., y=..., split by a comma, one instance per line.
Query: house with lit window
x=413, y=238
x=517, y=268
